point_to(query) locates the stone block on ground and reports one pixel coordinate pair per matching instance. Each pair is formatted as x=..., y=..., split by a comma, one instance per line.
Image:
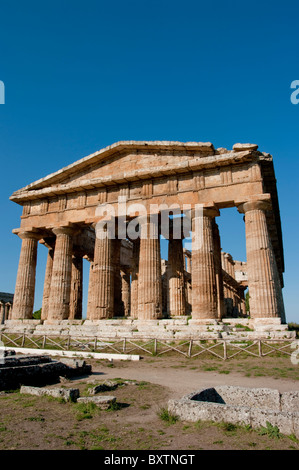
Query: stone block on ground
x=239, y=405
x=68, y=394
x=103, y=402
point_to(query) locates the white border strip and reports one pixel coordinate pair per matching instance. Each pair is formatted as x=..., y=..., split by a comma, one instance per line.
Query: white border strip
x=91, y=355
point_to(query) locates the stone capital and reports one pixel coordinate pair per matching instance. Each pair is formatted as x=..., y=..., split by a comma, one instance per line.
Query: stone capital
x=63, y=231
x=259, y=202
x=32, y=235
x=205, y=210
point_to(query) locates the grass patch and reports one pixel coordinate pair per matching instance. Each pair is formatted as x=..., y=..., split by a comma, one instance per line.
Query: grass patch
x=85, y=410
x=114, y=406
x=35, y=418
x=167, y=416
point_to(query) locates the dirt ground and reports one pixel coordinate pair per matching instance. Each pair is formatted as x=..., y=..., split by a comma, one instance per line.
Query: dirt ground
x=138, y=422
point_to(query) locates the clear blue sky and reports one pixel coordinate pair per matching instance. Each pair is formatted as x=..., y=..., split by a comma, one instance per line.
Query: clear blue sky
x=82, y=75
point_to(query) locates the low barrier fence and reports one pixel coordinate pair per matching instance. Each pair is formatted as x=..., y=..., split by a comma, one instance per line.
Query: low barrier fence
x=222, y=348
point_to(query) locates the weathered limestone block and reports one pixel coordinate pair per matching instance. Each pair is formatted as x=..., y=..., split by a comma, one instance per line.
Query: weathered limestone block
x=255, y=397
x=282, y=419
x=103, y=402
x=242, y=147
x=106, y=386
x=68, y=394
x=290, y=402
x=239, y=405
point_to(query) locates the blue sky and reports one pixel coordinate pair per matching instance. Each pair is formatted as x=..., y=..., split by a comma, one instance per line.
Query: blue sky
x=82, y=75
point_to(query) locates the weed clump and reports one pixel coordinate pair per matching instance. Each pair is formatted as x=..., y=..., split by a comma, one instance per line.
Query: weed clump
x=167, y=416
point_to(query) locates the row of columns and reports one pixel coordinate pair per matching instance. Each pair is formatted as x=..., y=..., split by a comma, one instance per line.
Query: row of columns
x=5, y=311
x=63, y=280
x=234, y=299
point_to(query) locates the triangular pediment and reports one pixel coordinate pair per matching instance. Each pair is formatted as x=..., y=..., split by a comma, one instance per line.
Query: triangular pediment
x=129, y=161
x=121, y=161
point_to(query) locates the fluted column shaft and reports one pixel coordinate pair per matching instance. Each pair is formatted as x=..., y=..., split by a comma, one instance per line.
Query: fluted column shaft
x=25, y=283
x=59, y=300
x=134, y=280
x=176, y=304
x=2, y=313
x=118, y=305
x=8, y=311
x=188, y=267
x=149, y=278
x=102, y=302
x=76, y=288
x=261, y=264
x=90, y=295
x=218, y=270
x=47, y=284
x=204, y=289
x=125, y=292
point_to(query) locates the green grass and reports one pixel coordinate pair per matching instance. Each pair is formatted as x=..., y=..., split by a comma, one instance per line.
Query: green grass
x=114, y=406
x=85, y=410
x=270, y=430
x=167, y=416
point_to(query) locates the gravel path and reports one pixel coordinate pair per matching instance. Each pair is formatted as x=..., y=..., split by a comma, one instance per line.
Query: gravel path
x=181, y=381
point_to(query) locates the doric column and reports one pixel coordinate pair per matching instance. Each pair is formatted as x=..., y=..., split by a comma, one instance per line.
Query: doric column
x=102, y=292
x=7, y=310
x=149, y=277
x=176, y=304
x=204, y=289
x=134, y=280
x=118, y=305
x=218, y=270
x=10, y=312
x=25, y=283
x=261, y=264
x=187, y=255
x=47, y=284
x=2, y=313
x=59, y=300
x=90, y=300
x=227, y=287
x=76, y=288
x=125, y=292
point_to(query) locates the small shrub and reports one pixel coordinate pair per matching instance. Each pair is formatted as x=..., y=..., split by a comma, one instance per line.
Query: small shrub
x=228, y=427
x=270, y=430
x=114, y=406
x=167, y=416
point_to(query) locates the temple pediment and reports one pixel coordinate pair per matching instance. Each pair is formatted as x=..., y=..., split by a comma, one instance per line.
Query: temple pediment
x=131, y=161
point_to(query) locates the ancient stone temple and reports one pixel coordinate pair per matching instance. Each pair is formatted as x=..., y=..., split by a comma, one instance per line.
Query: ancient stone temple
x=113, y=207
x=6, y=301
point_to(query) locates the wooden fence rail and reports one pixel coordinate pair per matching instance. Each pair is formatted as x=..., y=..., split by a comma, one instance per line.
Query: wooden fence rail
x=221, y=348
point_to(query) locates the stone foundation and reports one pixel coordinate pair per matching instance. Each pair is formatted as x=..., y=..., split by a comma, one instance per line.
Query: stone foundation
x=166, y=329
x=38, y=370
